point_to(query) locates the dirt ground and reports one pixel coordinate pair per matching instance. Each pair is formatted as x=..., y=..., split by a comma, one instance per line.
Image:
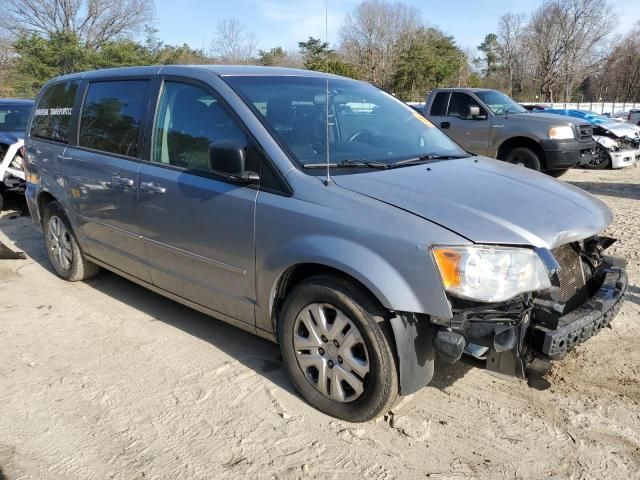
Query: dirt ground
x=105, y=379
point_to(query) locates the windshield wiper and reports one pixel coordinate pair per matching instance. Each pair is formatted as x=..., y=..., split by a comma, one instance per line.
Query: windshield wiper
x=423, y=159
x=349, y=164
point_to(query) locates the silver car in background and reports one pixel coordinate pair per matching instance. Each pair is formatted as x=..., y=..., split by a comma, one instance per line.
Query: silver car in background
x=321, y=213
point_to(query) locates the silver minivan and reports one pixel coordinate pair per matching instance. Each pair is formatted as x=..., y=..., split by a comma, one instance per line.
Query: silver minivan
x=321, y=213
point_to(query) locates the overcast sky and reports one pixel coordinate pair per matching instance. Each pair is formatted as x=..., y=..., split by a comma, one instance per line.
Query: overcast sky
x=285, y=22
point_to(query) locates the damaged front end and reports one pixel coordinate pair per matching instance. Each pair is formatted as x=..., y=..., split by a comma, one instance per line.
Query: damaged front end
x=617, y=149
x=587, y=292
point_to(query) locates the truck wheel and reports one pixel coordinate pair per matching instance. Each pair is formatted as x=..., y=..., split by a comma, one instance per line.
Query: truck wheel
x=557, y=173
x=523, y=156
x=63, y=249
x=337, y=349
x=600, y=159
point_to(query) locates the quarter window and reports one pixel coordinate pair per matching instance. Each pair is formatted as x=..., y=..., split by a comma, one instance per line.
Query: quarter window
x=52, y=115
x=189, y=118
x=111, y=116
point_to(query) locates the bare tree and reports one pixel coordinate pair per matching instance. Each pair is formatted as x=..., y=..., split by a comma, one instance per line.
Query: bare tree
x=93, y=21
x=564, y=40
x=232, y=43
x=372, y=37
x=512, y=49
x=619, y=77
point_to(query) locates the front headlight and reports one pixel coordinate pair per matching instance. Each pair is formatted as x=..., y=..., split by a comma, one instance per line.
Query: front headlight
x=16, y=163
x=490, y=274
x=561, y=133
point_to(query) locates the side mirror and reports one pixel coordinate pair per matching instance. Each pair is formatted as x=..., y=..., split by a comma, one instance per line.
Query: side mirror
x=227, y=157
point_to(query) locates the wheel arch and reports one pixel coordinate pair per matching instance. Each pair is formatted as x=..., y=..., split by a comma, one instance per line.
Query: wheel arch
x=43, y=198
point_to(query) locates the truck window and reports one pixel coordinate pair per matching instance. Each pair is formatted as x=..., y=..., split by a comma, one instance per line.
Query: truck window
x=439, y=105
x=52, y=115
x=111, y=116
x=460, y=104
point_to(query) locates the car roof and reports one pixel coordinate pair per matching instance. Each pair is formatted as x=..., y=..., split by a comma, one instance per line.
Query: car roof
x=16, y=101
x=464, y=89
x=220, y=70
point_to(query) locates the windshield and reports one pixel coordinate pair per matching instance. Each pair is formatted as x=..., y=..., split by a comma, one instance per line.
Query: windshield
x=499, y=103
x=366, y=126
x=13, y=118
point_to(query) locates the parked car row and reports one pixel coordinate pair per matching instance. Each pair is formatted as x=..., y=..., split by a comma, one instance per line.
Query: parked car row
x=618, y=144
x=14, y=114
x=488, y=122
x=324, y=214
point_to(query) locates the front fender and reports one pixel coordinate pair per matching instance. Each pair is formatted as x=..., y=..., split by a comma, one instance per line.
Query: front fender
x=386, y=283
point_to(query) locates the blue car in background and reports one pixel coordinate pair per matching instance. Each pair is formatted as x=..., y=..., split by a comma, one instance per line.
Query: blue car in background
x=618, y=144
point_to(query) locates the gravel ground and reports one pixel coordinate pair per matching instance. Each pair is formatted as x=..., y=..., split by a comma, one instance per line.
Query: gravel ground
x=105, y=379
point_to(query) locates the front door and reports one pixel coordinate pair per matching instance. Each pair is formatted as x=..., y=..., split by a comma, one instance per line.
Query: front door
x=198, y=228
x=101, y=173
x=469, y=131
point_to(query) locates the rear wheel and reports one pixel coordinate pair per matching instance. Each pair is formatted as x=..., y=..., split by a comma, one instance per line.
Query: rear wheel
x=63, y=250
x=600, y=159
x=337, y=349
x=523, y=156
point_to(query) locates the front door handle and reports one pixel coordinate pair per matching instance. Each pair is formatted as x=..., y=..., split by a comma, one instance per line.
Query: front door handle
x=122, y=181
x=152, y=187
x=445, y=125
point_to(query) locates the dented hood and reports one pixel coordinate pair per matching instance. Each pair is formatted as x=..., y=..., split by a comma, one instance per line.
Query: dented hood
x=487, y=201
x=621, y=130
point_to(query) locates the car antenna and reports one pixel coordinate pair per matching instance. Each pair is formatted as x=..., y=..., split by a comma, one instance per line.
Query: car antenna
x=327, y=180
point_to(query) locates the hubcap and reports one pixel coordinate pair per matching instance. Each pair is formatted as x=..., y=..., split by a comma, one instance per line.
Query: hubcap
x=331, y=352
x=59, y=241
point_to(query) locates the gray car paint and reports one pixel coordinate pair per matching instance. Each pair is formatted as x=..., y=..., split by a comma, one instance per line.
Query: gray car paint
x=375, y=226
x=485, y=136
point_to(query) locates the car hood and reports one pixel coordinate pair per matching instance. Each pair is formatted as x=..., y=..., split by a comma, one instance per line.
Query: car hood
x=11, y=137
x=621, y=129
x=551, y=119
x=487, y=201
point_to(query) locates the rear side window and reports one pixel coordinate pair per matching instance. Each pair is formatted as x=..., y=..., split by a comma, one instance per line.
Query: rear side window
x=52, y=115
x=111, y=116
x=439, y=105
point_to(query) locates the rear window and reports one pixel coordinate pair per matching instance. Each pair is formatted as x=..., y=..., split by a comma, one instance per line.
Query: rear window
x=439, y=105
x=52, y=115
x=13, y=118
x=111, y=116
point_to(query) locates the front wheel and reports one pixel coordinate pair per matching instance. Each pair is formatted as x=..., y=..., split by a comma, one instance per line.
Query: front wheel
x=337, y=349
x=523, y=156
x=557, y=173
x=600, y=159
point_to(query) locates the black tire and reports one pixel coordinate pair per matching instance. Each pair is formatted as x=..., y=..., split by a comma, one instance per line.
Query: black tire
x=1, y=201
x=601, y=159
x=80, y=268
x=523, y=156
x=380, y=384
x=558, y=173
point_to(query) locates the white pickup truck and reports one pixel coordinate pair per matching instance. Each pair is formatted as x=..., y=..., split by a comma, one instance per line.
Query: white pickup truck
x=14, y=114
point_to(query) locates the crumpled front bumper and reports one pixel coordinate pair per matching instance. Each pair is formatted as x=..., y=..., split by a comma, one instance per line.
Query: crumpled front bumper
x=624, y=158
x=583, y=322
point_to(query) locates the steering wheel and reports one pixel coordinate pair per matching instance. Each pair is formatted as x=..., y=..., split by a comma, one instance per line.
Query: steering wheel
x=359, y=135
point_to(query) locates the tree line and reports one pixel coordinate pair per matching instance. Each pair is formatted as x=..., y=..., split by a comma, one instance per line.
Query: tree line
x=564, y=50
